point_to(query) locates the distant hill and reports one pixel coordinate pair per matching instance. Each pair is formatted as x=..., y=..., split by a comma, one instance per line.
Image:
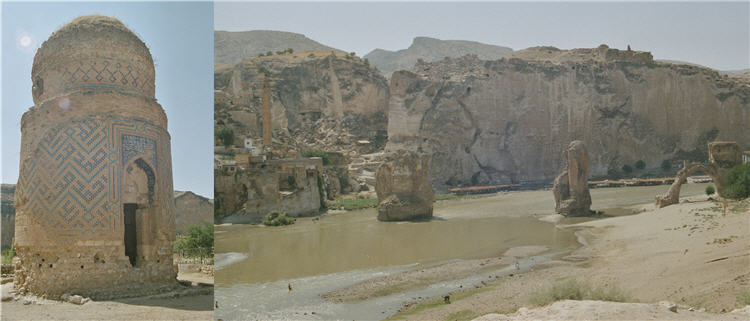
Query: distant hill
x=739, y=73
x=429, y=50
x=230, y=47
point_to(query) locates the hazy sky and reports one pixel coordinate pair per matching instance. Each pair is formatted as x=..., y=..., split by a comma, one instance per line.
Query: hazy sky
x=180, y=36
x=711, y=34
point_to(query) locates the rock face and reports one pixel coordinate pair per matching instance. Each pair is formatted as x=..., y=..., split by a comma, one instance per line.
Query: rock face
x=231, y=47
x=571, y=188
x=333, y=102
x=722, y=157
x=429, y=50
x=507, y=121
x=403, y=187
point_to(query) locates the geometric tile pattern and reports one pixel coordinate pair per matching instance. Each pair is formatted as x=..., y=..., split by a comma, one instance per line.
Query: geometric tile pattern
x=133, y=146
x=71, y=183
x=106, y=72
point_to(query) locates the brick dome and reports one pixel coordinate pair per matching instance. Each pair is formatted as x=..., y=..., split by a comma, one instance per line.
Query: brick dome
x=92, y=53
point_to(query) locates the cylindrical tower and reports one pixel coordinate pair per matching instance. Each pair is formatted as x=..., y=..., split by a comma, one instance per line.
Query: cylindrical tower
x=94, y=200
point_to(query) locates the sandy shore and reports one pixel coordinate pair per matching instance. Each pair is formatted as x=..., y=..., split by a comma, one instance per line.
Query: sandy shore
x=689, y=254
x=408, y=280
x=191, y=303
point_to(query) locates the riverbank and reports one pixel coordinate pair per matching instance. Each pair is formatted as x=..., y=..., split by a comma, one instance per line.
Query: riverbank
x=689, y=253
x=190, y=303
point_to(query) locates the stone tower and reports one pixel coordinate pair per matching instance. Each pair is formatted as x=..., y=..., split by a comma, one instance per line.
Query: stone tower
x=94, y=201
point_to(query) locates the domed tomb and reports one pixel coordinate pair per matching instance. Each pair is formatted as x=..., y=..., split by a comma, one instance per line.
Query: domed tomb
x=94, y=200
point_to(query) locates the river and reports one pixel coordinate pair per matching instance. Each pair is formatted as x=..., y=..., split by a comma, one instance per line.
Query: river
x=256, y=264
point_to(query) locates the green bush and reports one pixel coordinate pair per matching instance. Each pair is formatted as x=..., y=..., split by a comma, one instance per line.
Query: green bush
x=640, y=164
x=9, y=254
x=744, y=297
x=574, y=290
x=343, y=179
x=666, y=165
x=198, y=241
x=710, y=190
x=277, y=219
x=351, y=204
x=627, y=169
x=225, y=134
x=737, y=182
x=291, y=181
x=317, y=153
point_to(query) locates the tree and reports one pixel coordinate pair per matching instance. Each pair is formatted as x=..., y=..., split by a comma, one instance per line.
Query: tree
x=289, y=50
x=710, y=190
x=640, y=164
x=666, y=165
x=737, y=182
x=225, y=134
x=627, y=169
x=269, y=53
x=198, y=241
x=367, y=62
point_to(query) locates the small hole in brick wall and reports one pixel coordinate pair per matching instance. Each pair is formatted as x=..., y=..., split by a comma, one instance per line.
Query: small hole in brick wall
x=40, y=264
x=157, y=261
x=81, y=266
x=50, y=265
x=42, y=260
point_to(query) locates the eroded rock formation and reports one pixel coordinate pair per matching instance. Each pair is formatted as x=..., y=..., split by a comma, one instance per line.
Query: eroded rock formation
x=722, y=157
x=403, y=187
x=319, y=99
x=507, y=121
x=571, y=188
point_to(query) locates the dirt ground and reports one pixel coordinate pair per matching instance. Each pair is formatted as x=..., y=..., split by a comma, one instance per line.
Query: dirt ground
x=690, y=254
x=195, y=303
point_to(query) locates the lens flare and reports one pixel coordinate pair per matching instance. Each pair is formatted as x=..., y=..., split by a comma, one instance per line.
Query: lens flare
x=63, y=103
x=25, y=42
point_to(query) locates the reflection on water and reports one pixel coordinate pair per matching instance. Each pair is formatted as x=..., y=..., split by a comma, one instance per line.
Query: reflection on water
x=468, y=228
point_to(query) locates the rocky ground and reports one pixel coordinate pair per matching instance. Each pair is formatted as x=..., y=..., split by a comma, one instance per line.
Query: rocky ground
x=191, y=303
x=600, y=310
x=690, y=254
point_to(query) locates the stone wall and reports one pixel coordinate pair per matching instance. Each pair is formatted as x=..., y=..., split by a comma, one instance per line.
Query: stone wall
x=191, y=209
x=291, y=186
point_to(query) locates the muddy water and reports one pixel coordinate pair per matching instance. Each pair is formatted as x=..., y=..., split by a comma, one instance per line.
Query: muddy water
x=254, y=264
x=462, y=229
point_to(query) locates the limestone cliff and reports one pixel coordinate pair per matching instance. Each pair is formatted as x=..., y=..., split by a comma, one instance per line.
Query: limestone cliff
x=430, y=49
x=324, y=100
x=508, y=120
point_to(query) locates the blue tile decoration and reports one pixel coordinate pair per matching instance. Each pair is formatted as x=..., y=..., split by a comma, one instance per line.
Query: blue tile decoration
x=71, y=181
x=106, y=72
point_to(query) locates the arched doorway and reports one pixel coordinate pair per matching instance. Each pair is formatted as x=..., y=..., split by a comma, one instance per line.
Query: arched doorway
x=137, y=195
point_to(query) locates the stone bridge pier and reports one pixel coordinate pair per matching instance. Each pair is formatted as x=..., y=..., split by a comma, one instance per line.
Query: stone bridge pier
x=722, y=157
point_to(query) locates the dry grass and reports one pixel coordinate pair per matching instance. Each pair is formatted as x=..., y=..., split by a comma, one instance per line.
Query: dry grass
x=575, y=290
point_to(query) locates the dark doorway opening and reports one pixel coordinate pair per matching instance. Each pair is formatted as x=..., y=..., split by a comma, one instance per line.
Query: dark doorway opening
x=131, y=245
